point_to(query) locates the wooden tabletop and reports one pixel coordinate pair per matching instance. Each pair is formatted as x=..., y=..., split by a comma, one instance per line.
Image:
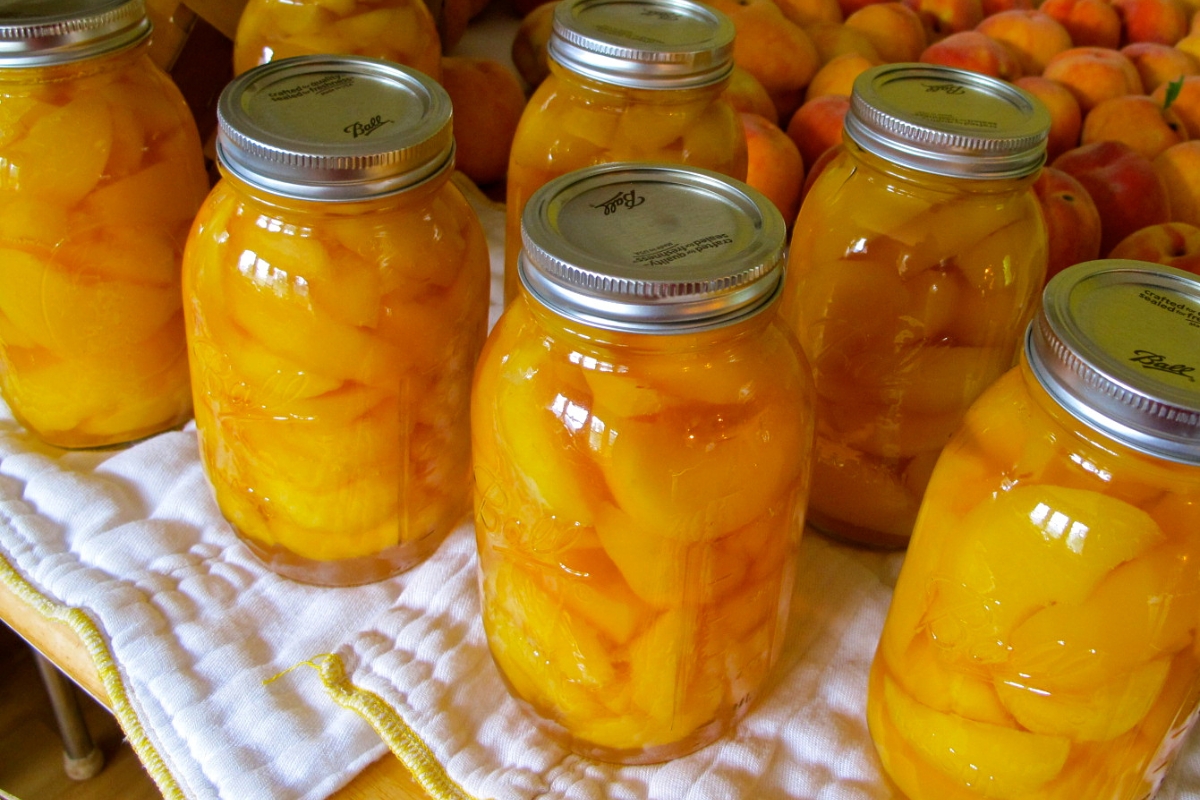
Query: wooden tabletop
x=386, y=779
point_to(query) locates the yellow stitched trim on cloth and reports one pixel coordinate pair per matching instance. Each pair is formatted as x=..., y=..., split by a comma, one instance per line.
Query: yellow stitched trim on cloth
x=83, y=626
x=404, y=743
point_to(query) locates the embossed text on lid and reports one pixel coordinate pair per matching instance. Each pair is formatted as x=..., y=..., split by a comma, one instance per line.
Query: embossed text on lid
x=652, y=247
x=1117, y=344
x=948, y=121
x=45, y=32
x=649, y=44
x=334, y=128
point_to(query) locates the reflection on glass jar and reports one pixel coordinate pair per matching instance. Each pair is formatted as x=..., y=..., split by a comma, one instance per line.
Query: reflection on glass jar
x=915, y=264
x=642, y=426
x=402, y=31
x=101, y=172
x=334, y=318
x=628, y=82
x=1042, y=640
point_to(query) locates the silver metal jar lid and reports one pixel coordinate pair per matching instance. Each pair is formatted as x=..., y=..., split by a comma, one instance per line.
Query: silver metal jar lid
x=334, y=128
x=38, y=33
x=655, y=248
x=1117, y=344
x=947, y=121
x=646, y=44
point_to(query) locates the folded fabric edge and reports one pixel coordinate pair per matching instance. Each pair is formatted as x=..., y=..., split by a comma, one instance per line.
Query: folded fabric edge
x=405, y=744
x=94, y=642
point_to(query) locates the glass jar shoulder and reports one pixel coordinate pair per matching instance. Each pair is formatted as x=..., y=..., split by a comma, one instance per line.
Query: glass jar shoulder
x=571, y=122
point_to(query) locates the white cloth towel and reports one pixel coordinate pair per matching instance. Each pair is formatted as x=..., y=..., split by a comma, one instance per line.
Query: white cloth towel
x=198, y=628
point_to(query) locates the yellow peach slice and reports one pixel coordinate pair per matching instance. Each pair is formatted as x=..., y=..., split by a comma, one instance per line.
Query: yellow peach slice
x=1097, y=715
x=946, y=683
x=30, y=222
x=162, y=194
x=1011, y=254
x=668, y=685
x=62, y=158
x=695, y=477
x=593, y=591
x=861, y=490
x=998, y=762
x=1074, y=537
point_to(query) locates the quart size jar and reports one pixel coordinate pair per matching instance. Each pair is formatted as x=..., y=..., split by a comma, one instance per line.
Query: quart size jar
x=336, y=287
x=403, y=31
x=102, y=173
x=1042, y=640
x=915, y=263
x=642, y=426
x=629, y=81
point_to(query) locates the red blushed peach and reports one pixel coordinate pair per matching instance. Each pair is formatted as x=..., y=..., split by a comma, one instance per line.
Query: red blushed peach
x=850, y=6
x=1033, y=36
x=1179, y=168
x=893, y=28
x=1066, y=120
x=775, y=166
x=974, y=51
x=1122, y=183
x=1163, y=21
x=991, y=7
x=1173, y=244
x=1136, y=120
x=817, y=125
x=944, y=17
x=1091, y=23
x=1072, y=220
x=1186, y=103
x=1160, y=63
x=1094, y=74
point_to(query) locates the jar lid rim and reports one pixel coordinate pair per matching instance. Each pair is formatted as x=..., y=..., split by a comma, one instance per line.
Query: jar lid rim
x=1116, y=344
x=36, y=33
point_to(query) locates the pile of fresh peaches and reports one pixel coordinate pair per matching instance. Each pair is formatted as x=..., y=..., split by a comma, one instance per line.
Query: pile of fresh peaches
x=1121, y=79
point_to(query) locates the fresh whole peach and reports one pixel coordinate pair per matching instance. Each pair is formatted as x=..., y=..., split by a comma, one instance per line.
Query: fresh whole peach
x=775, y=165
x=1136, y=120
x=806, y=12
x=1173, y=244
x=850, y=6
x=1091, y=23
x=773, y=49
x=745, y=93
x=975, y=51
x=1033, y=36
x=838, y=75
x=1163, y=21
x=1160, y=63
x=893, y=28
x=488, y=100
x=1066, y=120
x=833, y=39
x=1179, y=168
x=1072, y=220
x=944, y=17
x=991, y=7
x=1122, y=183
x=1094, y=74
x=528, y=50
x=1190, y=45
x=1186, y=102
x=817, y=125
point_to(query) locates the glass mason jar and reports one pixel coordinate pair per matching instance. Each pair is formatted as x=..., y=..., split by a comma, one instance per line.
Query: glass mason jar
x=101, y=173
x=915, y=263
x=642, y=427
x=403, y=31
x=336, y=289
x=1042, y=640
x=629, y=81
